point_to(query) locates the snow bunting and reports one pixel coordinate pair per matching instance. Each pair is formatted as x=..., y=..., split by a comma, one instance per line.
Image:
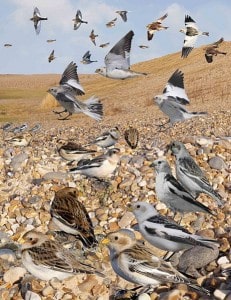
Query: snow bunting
x=65, y=95
x=172, y=193
x=134, y=262
x=155, y=26
x=92, y=37
x=71, y=216
x=111, y=23
x=211, y=50
x=78, y=20
x=37, y=18
x=190, y=174
x=164, y=233
x=107, y=139
x=117, y=61
x=45, y=258
x=51, y=56
x=191, y=32
x=104, y=45
x=123, y=14
x=87, y=58
x=99, y=167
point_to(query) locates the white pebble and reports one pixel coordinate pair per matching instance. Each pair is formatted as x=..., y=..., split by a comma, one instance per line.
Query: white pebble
x=223, y=260
x=14, y=274
x=32, y=296
x=144, y=296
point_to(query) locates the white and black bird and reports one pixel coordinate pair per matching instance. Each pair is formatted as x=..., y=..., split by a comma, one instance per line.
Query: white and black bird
x=99, y=167
x=155, y=26
x=173, y=99
x=190, y=174
x=191, y=32
x=51, y=56
x=86, y=59
x=78, y=20
x=111, y=23
x=163, y=232
x=117, y=61
x=107, y=139
x=212, y=50
x=65, y=95
x=37, y=18
x=123, y=14
x=172, y=193
x=136, y=263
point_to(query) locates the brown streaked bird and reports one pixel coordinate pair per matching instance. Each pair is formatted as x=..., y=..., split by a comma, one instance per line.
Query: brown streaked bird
x=111, y=23
x=155, y=26
x=51, y=40
x=104, y=45
x=78, y=20
x=7, y=45
x=123, y=14
x=46, y=259
x=37, y=18
x=74, y=152
x=51, y=56
x=191, y=32
x=211, y=50
x=131, y=136
x=92, y=36
x=71, y=216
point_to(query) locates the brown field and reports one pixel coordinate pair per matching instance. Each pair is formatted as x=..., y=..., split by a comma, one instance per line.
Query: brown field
x=23, y=98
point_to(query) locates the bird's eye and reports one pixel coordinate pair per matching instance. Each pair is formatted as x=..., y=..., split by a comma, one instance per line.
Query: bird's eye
x=138, y=206
x=159, y=162
x=116, y=238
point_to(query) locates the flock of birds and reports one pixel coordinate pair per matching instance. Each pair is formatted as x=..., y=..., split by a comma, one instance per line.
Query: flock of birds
x=46, y=258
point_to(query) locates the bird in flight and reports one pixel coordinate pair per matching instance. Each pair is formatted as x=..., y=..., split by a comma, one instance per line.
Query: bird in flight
x=123, y=14
x=78, y=20
x=37, y=18
x=191, y=32
x=155, y=26
x=111, y=23
x=211, y=50
x=51, y=56
x=92, y=36
x=87, y=58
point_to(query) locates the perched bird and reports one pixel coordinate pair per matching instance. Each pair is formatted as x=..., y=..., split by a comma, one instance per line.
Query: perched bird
x=7, y=45
x=78, y=20
x=36, y=128
x=71, y=216
x=117, y=61
x=131, y=136
x=134, y=262
x=45, y=258
x=211, y=50
x=107, y=139
x=51, y=40
x=172, y=193
x=37, y=18
x=191, y=32
x=51, y=56
x=143, y=46
x=104, y=45
x=92, y=36
x=173, y=99
x=65, y=95
x=123, y=14
x=155, y=26
x=21, y=140
x=6, y=127
x=111, y=23
x=164, y=233
x=190, y=174
x=74, y=152
x=99, y=167
x=87, y=58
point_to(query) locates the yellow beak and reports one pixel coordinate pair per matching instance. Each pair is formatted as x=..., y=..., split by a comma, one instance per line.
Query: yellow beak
x=105, y=241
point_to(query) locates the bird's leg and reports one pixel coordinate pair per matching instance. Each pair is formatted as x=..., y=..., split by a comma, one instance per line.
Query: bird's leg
x=66, y=118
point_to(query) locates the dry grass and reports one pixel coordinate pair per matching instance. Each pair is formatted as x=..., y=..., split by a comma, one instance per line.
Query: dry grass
x=48, y=102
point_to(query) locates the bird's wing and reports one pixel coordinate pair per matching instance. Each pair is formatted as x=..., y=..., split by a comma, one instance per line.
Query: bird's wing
x=175, y=88
x=189, y=22
x=70, y=78
x=87, y=56
x=162, y=18
x=78, y=15
x=95, y=162
x=189, y=42
x=37, y=12
x=189, y=167
x=119, y=56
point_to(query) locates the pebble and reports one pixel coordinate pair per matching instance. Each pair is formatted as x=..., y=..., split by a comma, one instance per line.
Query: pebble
x=55, y=176
x=32, y=296
x=217, y=163
x=14, y=274
x=7, y=255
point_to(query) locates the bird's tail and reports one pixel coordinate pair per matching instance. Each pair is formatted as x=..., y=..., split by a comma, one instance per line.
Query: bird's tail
x=43, y=19
x=219, y=52
x=198, y=113
x=199, y=288
x=205, y=33
x=216, y=196
x=94, y=108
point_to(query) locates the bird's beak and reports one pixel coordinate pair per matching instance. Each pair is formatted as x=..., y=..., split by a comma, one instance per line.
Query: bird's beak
x=129, y=207
x=152, y=165
x=105, y=241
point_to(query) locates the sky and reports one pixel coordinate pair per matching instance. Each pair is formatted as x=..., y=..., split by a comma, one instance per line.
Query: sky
x=29, y=52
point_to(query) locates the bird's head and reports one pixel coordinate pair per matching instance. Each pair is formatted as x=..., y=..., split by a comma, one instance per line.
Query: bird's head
x=101, y=71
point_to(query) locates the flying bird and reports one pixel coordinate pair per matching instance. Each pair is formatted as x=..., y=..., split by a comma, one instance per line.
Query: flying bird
x=173, y=99
x=51, y=56
x=45, y=258
x=92, y=36
x=69, y=86
x=143, y=46
x=86, y=59
x=136, y=263
x=211, y=50
x=7, y=45
x=104, y=45
x=155, y=26
x=111, y=23
x=37, y=18
x=51, y=40
x=71, y=216
x=191, y=32
x=123, y=14
x=190, y=174
x=117, y=61
x=78, y=20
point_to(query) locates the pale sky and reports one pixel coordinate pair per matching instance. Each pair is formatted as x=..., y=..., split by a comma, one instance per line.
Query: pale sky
x=29, y=53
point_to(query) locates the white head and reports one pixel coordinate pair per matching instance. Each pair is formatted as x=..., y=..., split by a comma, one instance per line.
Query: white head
x=161, y=165
x=32, y=239
x=143, y=211
x=102, y=71
x=120, y=240
x=177, y=148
